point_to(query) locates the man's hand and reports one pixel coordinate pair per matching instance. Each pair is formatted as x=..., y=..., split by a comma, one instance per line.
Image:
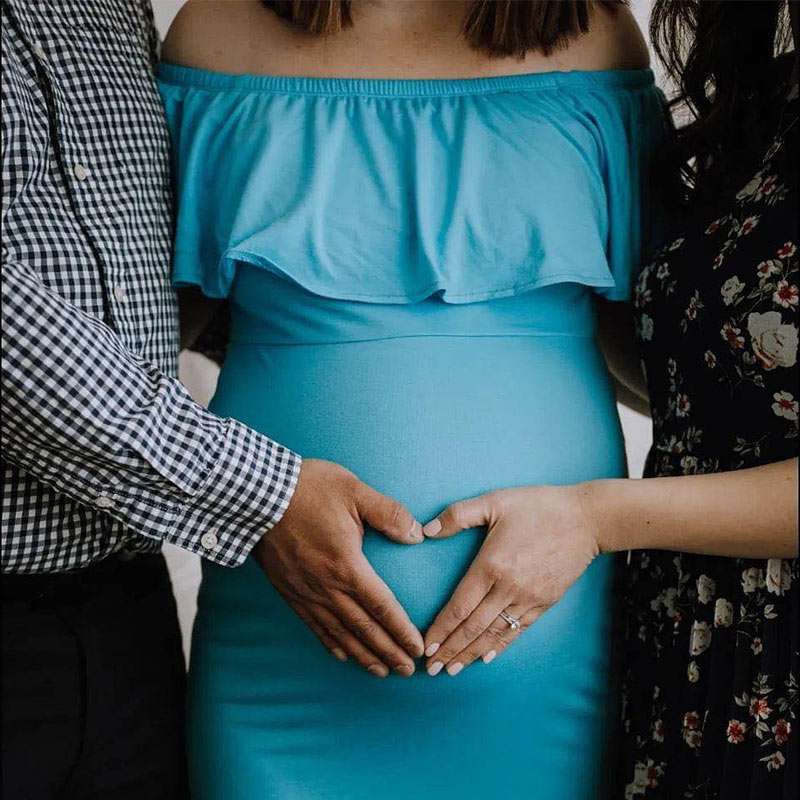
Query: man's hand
x=314, y=558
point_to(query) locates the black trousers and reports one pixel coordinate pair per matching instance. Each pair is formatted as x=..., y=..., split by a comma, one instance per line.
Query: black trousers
x=93, y=685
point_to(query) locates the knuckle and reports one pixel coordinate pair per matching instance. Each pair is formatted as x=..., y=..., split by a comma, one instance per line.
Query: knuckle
x=341, y=571
x=472, y=630
x=380, y=609
x=456, y=513
x=496, y=569
x=366, y=628
x=498, y=636
x=458, y=612
x=395, y=514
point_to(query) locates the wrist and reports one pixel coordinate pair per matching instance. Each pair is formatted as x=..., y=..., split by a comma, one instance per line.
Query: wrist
x=607, y=503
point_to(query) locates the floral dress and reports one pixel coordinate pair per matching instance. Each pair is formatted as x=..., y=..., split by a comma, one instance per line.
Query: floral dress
x=710, y=646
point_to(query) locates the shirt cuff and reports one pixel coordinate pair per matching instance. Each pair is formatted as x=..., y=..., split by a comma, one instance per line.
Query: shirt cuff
x=250, y=484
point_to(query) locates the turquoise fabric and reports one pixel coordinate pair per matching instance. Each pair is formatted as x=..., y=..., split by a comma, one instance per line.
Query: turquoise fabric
x=411, y=268
x=393, y=190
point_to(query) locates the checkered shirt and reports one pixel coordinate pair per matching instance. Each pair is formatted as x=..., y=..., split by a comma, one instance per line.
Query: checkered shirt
x=102, y=449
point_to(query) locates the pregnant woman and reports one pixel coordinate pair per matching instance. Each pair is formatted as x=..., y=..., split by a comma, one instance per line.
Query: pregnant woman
x=411, y=217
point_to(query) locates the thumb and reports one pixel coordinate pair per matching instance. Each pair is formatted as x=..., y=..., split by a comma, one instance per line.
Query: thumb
x=388, y=516
x=459, y=516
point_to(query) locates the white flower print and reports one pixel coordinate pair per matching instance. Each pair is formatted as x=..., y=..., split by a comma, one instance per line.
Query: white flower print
x=775, y=761
x=706, y=587
x=736, y=731
x=694, y=306
x=730, y=289
x=693, y=672
x=700, y=638
x=767, y=269
x=779, y=576
x=786, y=294
x=756, y=645
x=689, y=465
x=752, y=579
x=787, y=251
x=785, y=405
x=774, y=343
x=682, y=405
x=710, y=359
x=667, y=599
x=748, y=225
x=723, y=613
x=645, y=776
x=759, y=708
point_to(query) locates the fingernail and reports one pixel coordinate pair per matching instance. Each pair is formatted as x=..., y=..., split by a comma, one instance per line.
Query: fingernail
x=435, y=668
x=378, y=670
x=432, y=528
x=454, y=669
x=431, y=649
x=489, y=657
x=339, y=653
x=415, y=534
x=404, y=669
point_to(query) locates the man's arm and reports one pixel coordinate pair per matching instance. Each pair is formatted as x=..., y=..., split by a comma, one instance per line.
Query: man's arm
x=87, y=417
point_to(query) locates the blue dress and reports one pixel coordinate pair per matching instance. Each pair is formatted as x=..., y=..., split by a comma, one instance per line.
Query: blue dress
x=411, y=267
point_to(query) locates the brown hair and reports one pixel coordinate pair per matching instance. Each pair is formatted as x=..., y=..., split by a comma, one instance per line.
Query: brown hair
x=721, y=58
x=497, y=27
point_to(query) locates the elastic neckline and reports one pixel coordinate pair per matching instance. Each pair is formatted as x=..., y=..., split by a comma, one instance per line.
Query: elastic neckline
x=402, y=87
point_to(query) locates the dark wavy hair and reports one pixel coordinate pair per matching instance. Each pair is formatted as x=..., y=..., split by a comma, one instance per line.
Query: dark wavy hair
x=721, y=57
x=497, y=27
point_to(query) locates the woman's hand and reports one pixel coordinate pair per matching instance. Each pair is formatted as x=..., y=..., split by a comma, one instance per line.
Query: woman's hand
x=539, y=541
x=314, y=558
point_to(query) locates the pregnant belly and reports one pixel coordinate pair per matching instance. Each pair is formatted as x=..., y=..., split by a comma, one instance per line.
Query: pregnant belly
x=430, y=420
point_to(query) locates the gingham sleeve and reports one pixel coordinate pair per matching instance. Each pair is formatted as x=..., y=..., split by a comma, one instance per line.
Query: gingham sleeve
x=93, y=421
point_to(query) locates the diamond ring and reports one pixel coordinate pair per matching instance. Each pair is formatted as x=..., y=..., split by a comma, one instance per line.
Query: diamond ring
x=512, y=621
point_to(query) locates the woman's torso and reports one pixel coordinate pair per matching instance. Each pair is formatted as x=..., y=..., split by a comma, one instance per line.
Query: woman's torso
x=411, y=267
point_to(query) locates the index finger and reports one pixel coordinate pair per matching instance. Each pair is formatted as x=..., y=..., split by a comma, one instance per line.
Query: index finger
x=379, y=601
x=469, y=593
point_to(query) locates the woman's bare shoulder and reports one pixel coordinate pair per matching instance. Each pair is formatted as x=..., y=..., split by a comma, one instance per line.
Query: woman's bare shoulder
x=614, y=41
x=222, y=36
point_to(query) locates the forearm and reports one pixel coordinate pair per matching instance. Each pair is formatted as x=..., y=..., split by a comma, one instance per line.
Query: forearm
x=748, y=513
x=96, y=423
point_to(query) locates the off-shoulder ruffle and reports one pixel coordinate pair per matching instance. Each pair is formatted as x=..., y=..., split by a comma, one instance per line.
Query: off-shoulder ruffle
x=395, y=191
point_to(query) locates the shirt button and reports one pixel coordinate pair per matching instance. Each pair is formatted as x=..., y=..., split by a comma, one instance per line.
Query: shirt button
x=104, y=502
x=209, y=541
x=80, y=172
x=120, y=294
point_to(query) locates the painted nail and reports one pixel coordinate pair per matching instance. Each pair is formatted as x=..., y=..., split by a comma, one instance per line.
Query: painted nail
x=339, y=654
x=415, y=534
x=404, y=669
x=432, y=528
x=378, y=670
x=454, y=669
x=489, y=657
x=435, y=668
x=431, y=649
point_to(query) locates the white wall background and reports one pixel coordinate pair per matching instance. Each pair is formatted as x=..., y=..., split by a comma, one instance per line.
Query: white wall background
x=200, y=375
